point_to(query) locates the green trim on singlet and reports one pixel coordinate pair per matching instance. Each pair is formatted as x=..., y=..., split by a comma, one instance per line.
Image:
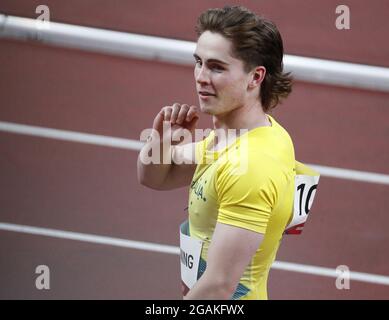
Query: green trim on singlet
x=185, y=228
x=202, y=267
x=240, y=291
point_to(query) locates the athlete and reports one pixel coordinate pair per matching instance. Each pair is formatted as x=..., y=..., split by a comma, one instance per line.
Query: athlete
x=242, y=186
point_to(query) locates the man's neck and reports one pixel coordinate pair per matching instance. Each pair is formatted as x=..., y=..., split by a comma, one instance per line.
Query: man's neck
x=246, y=117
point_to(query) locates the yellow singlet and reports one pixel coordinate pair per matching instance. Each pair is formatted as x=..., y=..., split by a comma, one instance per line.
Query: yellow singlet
x=249, y=184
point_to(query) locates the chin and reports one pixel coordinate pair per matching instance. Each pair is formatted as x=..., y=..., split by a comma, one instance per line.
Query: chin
x=207, y=109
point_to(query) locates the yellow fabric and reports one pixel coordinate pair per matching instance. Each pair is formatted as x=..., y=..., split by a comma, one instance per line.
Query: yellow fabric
x=249, y=184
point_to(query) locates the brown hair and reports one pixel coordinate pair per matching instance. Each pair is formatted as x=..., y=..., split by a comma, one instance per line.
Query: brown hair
x=257, y=42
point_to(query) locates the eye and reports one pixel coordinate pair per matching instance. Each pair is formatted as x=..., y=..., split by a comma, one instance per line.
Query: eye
x=198, y=62
x=216, y=67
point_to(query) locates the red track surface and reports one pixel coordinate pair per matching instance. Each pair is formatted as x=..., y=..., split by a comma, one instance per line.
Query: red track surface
x=91, y=189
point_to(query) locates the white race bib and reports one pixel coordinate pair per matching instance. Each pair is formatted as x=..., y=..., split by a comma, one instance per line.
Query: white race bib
x=304, y=194
x=190, y=252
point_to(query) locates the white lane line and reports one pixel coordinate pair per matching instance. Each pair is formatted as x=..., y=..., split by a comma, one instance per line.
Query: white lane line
x=136, y=145
x=327, y=272
x=116, y=242
x=161, y=248
x=180, y=52
x=70, y=136
x=348, y=174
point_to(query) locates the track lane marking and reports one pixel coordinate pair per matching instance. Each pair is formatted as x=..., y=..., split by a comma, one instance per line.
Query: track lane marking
x=121, y=143
x=163, y=248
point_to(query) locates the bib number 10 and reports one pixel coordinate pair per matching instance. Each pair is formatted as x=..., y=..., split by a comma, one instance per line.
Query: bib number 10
x=305, y=196
x=305, y=190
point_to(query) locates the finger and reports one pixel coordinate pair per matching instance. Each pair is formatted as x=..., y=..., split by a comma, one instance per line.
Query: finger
x=176, y=110
x=167, y=113
x=158, y=120
x=182, y=114
x=192, y=124
x=193, y=111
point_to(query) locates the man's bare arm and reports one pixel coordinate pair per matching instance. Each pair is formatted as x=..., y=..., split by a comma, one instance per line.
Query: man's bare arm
x=230, y=251
x=177, y=173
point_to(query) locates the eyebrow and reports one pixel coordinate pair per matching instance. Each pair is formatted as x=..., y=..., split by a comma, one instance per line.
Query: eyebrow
x=211, y=60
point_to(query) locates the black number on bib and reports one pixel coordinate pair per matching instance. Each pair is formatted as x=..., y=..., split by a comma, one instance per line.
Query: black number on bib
x=307, y=199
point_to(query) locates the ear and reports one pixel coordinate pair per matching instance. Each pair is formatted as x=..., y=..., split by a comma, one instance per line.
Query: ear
x=257, y=76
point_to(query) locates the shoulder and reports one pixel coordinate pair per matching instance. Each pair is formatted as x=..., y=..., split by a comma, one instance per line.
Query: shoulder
x=251, y=167
x=256, y=168
x=202, y=145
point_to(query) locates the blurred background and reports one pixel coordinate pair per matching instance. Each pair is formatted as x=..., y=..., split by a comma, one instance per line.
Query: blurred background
x=56, y=183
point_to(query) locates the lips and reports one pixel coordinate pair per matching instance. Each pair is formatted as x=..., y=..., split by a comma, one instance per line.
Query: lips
x=206, y=94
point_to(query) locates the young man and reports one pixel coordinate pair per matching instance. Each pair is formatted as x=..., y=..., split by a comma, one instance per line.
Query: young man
x=242, y=189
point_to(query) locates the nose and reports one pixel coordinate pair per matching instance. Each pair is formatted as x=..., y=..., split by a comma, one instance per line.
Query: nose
x=201, y=75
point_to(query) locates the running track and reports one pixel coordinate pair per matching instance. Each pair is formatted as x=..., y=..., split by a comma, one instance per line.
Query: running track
x=93, y=189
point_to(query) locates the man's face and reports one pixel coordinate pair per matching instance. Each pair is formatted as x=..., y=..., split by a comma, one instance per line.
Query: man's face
x=221, y=81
